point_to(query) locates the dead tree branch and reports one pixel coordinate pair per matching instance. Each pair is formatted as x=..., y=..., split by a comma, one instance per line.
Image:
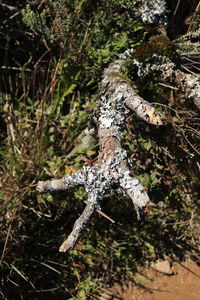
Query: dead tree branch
x=116, y=99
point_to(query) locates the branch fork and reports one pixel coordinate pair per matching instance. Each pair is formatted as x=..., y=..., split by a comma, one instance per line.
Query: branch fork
x=116, y=99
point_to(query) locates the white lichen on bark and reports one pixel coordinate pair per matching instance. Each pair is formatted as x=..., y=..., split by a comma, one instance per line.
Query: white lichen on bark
x=189, y=43
x=116, y=99
x=154, y=12
x=167, y=71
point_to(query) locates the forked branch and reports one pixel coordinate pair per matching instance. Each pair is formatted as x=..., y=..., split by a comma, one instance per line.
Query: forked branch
x=116, y=99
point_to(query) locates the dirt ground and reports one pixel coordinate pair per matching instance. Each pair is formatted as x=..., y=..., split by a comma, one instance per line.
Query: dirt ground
x=183, y=284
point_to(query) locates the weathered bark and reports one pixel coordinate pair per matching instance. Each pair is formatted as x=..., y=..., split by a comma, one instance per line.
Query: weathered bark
x=116, y=99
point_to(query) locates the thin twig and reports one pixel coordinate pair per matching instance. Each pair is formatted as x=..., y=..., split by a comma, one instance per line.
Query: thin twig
x=5, y=244
x=168, y=86
x=177, y=6
x=105, y=216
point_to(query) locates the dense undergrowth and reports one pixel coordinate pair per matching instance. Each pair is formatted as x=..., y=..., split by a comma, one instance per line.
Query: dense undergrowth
x=52, y=56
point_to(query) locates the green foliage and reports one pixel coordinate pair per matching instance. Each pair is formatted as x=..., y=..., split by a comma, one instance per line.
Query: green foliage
x=118, y=35
x=37, y=22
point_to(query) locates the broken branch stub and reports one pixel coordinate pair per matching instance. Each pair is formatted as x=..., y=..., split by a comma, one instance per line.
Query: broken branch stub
x=116, y=99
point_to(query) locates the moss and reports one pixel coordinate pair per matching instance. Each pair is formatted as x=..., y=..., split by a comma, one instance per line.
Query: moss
x=157, y=44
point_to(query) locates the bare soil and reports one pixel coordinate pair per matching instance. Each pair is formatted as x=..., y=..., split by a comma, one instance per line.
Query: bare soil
x=183, y=284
